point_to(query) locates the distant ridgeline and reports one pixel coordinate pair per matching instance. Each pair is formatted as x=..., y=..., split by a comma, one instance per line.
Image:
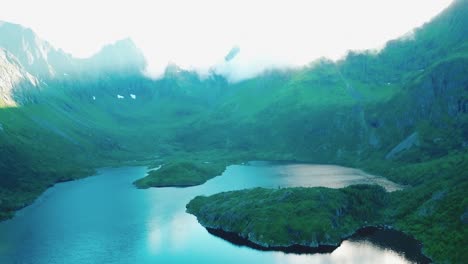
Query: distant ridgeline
x=401, y=112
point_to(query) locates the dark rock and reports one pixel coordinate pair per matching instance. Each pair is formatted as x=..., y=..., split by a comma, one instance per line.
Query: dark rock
x=429, y=207
x=374, y=123
x=297, y=249
x=465, y=144
x=407, y=143
x=464, y=217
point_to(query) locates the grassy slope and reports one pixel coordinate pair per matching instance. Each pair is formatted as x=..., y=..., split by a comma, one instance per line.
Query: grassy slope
x=352, y=112
x=431, y=210
x=404, y=89
x=64, y=134
x=57, y=139
x=32, y=159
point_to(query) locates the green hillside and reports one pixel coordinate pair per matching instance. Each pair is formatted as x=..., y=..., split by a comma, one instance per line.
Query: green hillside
x=401, y=112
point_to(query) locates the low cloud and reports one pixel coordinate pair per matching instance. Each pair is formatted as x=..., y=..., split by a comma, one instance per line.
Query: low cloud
x=197, y=35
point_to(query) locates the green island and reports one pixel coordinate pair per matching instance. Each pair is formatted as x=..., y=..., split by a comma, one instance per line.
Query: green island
x=401, y=113
x=181, y=174
x=289, y=217
x=316, y=217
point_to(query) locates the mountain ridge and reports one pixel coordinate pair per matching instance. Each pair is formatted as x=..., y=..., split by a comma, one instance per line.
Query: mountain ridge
x=97, y=112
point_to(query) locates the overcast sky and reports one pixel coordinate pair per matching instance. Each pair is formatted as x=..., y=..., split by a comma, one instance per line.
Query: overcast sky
x=198, y=34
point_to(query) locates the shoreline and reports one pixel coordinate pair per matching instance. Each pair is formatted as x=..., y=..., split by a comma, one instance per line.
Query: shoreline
x=238, y=240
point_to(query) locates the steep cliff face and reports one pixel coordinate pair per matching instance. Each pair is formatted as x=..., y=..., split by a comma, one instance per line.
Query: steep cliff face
x=433, y=105
x=14, y=80
x=322, y=114
x=37, y=56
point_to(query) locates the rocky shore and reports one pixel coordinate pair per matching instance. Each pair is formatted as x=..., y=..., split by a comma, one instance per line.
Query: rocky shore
x=291, y=219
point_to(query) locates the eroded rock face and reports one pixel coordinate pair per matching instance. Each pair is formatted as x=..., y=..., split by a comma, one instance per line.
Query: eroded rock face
x=407, y=143
x=13, y=78
x=37, y=56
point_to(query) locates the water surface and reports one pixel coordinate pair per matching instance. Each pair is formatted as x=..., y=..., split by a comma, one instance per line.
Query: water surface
x=104, y=219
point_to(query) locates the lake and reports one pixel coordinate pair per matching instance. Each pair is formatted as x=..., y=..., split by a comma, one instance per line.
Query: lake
x=105, y=219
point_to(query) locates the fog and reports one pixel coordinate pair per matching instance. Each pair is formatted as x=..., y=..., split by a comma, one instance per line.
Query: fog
x=198, y=35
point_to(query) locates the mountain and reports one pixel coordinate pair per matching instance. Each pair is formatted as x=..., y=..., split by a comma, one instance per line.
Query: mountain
x=13, y=77
x=123, y=55
x=401, y=113
x=332, y=110
x=37, y=56
x=46, y=63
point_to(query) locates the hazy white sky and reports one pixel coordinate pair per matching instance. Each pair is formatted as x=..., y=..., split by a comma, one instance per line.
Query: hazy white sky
x=198, y=34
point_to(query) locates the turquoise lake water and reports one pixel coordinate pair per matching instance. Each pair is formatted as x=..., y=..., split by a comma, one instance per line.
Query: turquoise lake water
x=105, y=219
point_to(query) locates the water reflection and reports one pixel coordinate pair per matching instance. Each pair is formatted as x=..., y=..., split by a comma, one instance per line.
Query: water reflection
x=106, y=220
x=326, y=175
x=180, y=227
x=154, y=238
x=348, y=252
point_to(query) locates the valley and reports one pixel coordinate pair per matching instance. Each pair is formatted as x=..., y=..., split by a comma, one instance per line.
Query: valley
x=400, y=113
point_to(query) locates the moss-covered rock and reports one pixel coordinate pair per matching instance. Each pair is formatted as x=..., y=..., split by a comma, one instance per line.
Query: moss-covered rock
x=311, y=217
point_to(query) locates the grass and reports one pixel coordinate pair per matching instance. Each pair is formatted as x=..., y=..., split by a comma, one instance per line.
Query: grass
x=184, y=169
x=181, y=174
x=308, y=114
x=292, y=216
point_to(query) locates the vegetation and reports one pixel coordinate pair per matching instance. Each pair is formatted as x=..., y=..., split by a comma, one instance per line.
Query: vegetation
x=433, y=210
x=181, y=174
x=292, y=216
x=351, y=112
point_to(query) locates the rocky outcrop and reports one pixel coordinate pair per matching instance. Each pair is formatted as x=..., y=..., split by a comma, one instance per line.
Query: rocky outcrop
x=37, y=56
x=13, y=79
x=409, y=142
